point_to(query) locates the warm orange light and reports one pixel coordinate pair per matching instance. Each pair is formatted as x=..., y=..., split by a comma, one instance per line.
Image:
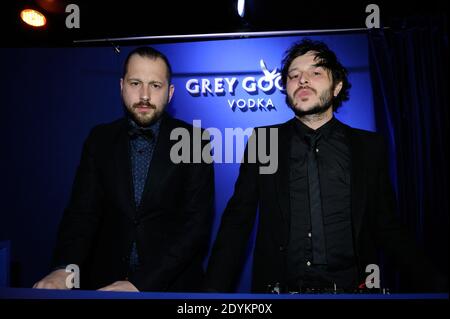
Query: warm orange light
x=33, y=17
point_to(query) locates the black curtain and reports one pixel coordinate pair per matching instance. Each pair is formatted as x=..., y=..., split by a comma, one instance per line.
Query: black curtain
x=409, y=69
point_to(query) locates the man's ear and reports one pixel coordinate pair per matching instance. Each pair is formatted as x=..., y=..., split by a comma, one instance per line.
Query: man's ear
x=337, y=89
x=121, y=84
x=171, y=90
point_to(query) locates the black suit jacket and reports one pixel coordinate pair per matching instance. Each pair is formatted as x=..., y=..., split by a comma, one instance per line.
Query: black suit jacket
x=171, y=227
x=374, y=223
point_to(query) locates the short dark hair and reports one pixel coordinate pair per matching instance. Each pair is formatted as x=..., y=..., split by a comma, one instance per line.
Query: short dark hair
x=326, y=59
x=148, y=52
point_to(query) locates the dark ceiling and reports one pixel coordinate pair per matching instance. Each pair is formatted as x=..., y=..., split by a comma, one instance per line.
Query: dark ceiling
x=117, y=19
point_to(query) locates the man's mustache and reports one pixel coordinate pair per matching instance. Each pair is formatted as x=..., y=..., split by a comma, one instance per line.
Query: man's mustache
x=144, y=104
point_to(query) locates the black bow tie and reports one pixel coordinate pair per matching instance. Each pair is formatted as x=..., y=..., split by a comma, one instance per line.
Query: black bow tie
x=134, y=132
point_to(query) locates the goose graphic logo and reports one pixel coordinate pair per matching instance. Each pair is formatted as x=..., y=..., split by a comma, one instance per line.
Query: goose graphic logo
x=247, y=93
x=268, y=76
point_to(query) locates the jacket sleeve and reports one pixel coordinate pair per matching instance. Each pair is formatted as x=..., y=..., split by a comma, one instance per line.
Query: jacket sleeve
x=82, y=214
x=230, y=246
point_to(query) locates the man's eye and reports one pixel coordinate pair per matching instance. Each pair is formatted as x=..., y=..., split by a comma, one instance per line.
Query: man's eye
x=156, y=86
x=134, y=83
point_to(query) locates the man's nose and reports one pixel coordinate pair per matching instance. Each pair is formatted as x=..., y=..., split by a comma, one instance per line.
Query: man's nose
x=145, y=93
x=303, y=78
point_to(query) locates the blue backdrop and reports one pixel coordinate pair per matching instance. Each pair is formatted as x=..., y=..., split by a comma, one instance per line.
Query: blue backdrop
x=52, y=97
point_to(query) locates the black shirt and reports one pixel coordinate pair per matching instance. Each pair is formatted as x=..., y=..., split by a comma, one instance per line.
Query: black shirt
x=333, y=157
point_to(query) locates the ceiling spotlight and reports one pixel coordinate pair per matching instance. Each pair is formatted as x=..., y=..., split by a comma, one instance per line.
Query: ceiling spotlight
x=241, y=8
x=33, y=17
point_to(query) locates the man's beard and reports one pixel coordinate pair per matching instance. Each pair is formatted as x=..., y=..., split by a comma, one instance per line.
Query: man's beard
x=143, y=121
x=325, y=102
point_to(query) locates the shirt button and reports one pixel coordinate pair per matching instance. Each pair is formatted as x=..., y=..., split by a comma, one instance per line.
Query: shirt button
x=281, y=248
x=309, y=235
x=308, y=263
x=317, y=150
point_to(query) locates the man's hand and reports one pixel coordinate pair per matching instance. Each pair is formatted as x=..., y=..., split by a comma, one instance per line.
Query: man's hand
x=120, y=286
x=55, y=280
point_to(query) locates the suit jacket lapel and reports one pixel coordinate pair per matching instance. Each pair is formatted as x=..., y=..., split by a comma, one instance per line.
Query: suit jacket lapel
x=125, y=193
x=358, y=177
x=158, y=164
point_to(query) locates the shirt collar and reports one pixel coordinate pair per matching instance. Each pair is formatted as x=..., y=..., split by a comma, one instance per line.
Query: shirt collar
x=325, y=130
x=154, y=127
